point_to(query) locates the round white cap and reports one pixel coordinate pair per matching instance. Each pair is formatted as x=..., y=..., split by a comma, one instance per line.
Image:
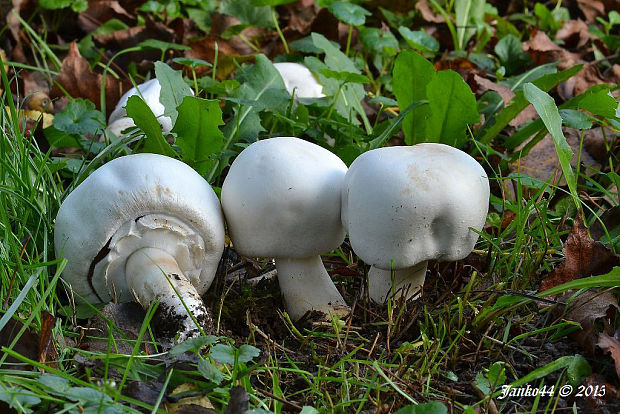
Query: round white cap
x=281, y=199
x=299, y=80
x=410, y=204
x=132, y=201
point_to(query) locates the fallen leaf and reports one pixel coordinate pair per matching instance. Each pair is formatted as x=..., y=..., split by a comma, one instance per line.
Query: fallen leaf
x=427, y=13
x=204, y=49
x=79, y=81
x=195, y=401
x=575, y=35
x=591, y=9
x=588, y=309
x=100, y=11
x=543, y=50
x=47, y=349
x=542, y=162
x=610, y=345
x=588, y=77
x=582, y=257
x=26, y=345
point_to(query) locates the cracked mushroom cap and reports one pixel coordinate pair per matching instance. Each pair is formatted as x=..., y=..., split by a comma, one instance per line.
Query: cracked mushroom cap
x=411, y=204
x=136, y=201
x=299, y=80
x=281, y=199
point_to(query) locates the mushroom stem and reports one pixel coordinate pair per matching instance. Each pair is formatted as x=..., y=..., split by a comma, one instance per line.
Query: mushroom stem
x=154, y=273
x=408, y=282
x=305, y=286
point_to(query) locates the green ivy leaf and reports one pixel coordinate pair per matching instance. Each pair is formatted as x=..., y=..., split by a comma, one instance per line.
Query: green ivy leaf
x=573, y=118
x=173, y=89
x=198, y=133
x=379, y=41
x=419, y=40
x=452, y=107
x=79, y=117
x=246, y=353
x=223, y=353
x=412, y=73
x=144, y=119
x=210, y=372
x=349, y=13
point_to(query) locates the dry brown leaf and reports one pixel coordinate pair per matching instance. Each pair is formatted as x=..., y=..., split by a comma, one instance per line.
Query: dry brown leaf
x=427, y=13
x=542, y=160
x=79, y=81
x=205, y=49
x=542, y=50
x=591, y=9
x=483, y=84
x=610, y=345
x=47, y=349
x=26, y=345
x=583, y=257
x=588, y=309
x=588, y=77
x=100, y=11
x=575, y=35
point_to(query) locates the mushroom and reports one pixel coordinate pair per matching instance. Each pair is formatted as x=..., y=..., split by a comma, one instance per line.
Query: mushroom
x=299, y=81
x=144, y=227
x=149, y=91
x=281, y=199
x=403, y=206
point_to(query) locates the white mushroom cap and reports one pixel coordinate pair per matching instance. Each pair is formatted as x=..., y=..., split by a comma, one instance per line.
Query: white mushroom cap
x=281, y=199
x=405, y=205
x=150, y=91
x=133, y=202
x=299, y=80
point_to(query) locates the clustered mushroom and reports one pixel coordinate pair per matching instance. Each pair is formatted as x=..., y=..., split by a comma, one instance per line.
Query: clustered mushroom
x=403, y=206
x=146, y=227
x=143, y=227
x=299, y=81
x=281, y=199
x=149, y=91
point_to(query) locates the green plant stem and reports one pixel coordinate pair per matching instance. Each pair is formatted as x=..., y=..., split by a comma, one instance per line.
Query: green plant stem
x=275, y=21
x=349, y=40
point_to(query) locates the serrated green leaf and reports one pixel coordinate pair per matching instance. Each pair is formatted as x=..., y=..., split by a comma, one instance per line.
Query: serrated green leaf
x=144, y=119
x=223, y=353
x=411, y=75
x=419, y=40
x=452, y=107
x=600, y=103
x=210, y=372
x=79, y=117
x=575, y=119
x=246, y=353
x=548, y=112
x=345, y=77
x=173, y=89
x=198, y=133
x=379, y=41
x=349, y=13
x=193, y=344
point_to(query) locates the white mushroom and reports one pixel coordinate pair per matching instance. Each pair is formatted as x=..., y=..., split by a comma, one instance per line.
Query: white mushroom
x=281, y=199
x=299, y=81
x=150, y=92
x=403, y=206
x=137, y=227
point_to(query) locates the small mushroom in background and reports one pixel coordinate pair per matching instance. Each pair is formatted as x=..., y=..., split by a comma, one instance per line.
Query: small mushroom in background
x=150, y=92
x=403, y=206
x=299, y=81
x=139, y=228
x=281, y=199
